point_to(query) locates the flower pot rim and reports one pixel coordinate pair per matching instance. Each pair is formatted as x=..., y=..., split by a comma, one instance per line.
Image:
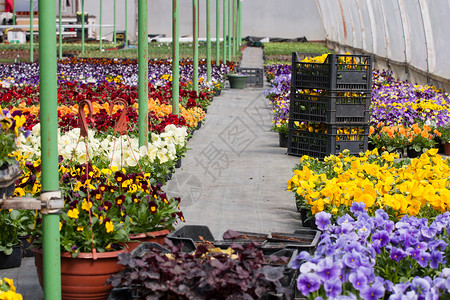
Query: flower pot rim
x=149, y=234
x=85, y=255
x=237, y=75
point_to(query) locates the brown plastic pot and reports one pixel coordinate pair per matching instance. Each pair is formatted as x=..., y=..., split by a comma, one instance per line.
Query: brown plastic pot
x=84, y=277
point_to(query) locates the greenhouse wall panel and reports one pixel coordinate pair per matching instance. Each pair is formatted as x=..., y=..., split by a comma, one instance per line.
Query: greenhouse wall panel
x=418, y=57
x=381, y=34
x=366, y=23
x=395, y=32
x=350, y=29
x=356, y=24
x=408, y=37
x=439, y=15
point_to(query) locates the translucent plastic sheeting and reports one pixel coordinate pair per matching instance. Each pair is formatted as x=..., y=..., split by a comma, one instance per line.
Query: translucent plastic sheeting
x=410, y=32
x=417, y=47
x=440, y=29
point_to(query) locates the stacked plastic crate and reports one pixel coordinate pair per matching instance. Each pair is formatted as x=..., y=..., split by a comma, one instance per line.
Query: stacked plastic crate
x=329, y=105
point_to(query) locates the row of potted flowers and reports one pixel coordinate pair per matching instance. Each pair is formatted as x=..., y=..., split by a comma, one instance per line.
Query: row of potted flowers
x=95, y=70
x=112, y=188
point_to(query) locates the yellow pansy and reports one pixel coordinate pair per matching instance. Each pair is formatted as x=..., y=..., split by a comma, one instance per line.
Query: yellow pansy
x=109, y=226
x=73, y=213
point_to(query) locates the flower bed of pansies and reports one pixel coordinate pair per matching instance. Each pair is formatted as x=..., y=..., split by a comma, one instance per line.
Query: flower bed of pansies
x=385, y=225
x=394, y=104
x=111, y=186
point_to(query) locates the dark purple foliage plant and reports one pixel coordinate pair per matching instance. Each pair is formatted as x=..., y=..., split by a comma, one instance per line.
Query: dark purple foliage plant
x=204, y=274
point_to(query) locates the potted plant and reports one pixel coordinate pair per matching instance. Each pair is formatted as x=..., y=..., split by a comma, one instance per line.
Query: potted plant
x=237, y=80
x=388, y=138
x=11, y=123
x=445, y=138
x=282, y=128
x=10, y=247
x=420, y=139
x=208, y=273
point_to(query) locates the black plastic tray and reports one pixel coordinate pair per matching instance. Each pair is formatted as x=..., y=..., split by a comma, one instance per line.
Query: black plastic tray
x=190, y=235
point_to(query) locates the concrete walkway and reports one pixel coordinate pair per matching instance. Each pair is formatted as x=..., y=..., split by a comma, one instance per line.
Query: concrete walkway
x=234, y=177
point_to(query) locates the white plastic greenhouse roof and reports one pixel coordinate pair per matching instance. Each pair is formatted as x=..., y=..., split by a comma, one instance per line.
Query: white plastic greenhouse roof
x=409, y=36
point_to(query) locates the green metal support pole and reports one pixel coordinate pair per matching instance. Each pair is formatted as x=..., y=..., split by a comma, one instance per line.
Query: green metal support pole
x=49, y=146
x=14, y=12
x=126, y=23
x=143, y=71
x=31, y=31
x=224, y=32
x=175, y=57
x=239, y=23
x=233, y=26
x=114, y=30
x=195, y=44
x=100, y=25
x=229, y=31
x=60, y=29
x=217, y=32
x=82, y=27
x=208, y=40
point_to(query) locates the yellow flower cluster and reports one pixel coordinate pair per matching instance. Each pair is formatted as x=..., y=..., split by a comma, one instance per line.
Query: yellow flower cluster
x=418, y=187
x=8, y=290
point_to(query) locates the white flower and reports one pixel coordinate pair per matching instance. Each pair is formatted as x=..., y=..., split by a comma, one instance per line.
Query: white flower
x=162, y=155
x=152, y=150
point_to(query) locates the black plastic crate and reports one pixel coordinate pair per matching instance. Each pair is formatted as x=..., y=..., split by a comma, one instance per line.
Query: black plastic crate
x=327, y=139
x=338, y=72
x=255, y=76
x=330, y=107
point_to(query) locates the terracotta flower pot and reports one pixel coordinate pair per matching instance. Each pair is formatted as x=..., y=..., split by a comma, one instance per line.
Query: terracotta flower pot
x=154, y=237
x=84, y=277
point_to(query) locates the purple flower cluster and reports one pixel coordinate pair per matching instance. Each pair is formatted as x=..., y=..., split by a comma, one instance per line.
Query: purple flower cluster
x=279, y=93
x=398, y=101
x=366, y=256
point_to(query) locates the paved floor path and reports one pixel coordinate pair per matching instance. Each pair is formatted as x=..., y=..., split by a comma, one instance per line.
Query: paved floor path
x=234, y=177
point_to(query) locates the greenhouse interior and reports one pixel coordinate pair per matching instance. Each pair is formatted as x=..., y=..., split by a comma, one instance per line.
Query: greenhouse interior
x=224, y=149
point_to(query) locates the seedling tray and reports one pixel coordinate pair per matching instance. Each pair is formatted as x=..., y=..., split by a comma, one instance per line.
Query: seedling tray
x=291, y=255
x=302, y=240
x=257, y=237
